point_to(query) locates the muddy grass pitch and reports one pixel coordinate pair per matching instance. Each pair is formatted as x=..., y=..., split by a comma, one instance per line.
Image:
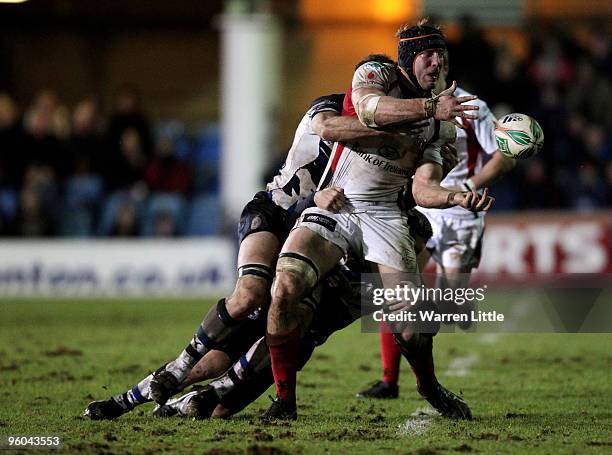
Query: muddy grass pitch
x=529, y=393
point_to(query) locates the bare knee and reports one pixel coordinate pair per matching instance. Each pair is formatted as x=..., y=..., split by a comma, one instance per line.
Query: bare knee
x=212, y=365
x=250, y=294
x=221, y=412
x=288, y=287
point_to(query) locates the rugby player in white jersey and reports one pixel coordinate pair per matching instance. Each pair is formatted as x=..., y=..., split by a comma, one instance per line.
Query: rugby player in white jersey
x=456, y=243
x=371, y=224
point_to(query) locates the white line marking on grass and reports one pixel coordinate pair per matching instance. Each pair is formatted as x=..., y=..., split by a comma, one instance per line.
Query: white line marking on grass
x=418, y=422
x=460, y=366
x=489, y=338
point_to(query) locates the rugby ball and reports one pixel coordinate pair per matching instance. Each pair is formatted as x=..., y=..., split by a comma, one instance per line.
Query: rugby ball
x=518, y=136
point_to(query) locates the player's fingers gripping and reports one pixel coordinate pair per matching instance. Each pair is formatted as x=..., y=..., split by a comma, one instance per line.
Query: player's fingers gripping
x=486, y=201
x=324, y=198
x=467, y=200
x=482, y=203
x=475, y=200
x=395, y=304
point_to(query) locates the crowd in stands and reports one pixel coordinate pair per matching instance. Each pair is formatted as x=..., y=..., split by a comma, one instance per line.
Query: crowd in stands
x=566, y=85
x=68, y=173
x=73, y=173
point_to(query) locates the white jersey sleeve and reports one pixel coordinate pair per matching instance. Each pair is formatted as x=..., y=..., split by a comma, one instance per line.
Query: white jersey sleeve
x=483, y=128
x=374, y=75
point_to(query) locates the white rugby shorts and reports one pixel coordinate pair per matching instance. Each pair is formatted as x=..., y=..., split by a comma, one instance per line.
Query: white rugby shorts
x=456, y=240
x=377, y=232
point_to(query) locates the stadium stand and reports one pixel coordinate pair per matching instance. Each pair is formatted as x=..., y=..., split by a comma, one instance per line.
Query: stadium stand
x=63, y=173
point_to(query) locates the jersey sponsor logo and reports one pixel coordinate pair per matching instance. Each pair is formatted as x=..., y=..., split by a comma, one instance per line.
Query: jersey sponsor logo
x=366, y=83
x=385, y=165
x=391, y=153
x=322, y=220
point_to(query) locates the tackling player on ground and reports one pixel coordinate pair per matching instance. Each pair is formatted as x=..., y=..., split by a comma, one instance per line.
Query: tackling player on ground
x=264, y=224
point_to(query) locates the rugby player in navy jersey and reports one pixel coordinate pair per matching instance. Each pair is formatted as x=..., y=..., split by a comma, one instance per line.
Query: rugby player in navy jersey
x=264, y=225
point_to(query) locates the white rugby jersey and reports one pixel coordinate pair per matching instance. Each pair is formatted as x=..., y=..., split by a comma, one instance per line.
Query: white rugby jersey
x=299, y=176
x=472, y=144
x=379, y=173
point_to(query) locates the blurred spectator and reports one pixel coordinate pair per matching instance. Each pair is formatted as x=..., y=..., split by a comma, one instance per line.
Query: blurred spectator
x=33, y=220
x=164, y=225
x=41, y=144
x=86, y=146
x=537, y=190
x=600, y=47
x=126, y=221
x=589, y=190
x=510, y=78
x=550, y=65
x=127, y=170
x=11, y=161
x=472, y=69
x=590, y=95
x=166, y=173
x=128, y=115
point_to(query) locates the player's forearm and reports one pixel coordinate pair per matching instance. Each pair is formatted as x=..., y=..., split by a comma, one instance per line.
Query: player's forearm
x=392, y=110
x=343, y=129
x=434, y=196
x=495, y=168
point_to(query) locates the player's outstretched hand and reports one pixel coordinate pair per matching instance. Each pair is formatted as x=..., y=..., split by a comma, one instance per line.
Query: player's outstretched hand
x=485, y=202
x=449, y=107
x=331, y=199
x=475, y=202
